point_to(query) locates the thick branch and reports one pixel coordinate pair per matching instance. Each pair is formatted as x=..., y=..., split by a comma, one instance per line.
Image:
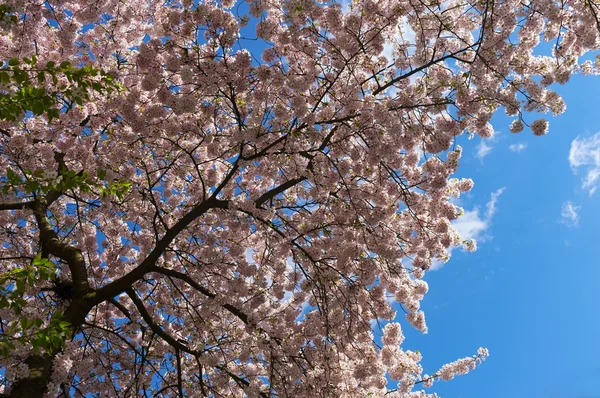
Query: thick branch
x=15, y=206
x=277, y=190
x=51, y=243
x=120, y=285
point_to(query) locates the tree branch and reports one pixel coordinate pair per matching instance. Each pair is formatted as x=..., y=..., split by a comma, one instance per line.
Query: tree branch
x=50, y=241
x=186, y=278
x=121, y=284
x=420, y=68
x=277, y=190
x=156, y=328
x=16, y=205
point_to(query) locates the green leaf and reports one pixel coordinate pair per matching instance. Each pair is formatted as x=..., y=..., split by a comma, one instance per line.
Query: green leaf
x=4, y=302
x=20, y=286
x=53, y=114
x=64, y=325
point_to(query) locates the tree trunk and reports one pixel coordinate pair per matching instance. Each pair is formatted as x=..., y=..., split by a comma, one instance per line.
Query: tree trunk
x=40, y=366
x=34, y=386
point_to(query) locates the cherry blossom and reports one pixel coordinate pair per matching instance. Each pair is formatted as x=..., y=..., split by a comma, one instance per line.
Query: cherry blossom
x=252, y=212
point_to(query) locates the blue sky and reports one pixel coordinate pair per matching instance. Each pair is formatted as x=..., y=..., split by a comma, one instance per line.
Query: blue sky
x=530, y=293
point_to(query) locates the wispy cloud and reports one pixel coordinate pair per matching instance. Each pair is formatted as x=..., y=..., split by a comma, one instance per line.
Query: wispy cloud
x=486, y=145
x=491, y=205
x=475, y=225
x=569, y=214
x=585, y=155
x=517, y=147
x=483, y=149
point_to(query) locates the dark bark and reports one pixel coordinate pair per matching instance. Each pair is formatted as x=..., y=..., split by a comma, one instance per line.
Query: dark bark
x=40, y=366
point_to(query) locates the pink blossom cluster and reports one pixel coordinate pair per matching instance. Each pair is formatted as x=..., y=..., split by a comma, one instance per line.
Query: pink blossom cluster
x=462, y=366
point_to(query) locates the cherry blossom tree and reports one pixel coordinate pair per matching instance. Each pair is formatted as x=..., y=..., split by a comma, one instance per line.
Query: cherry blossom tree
x=238, y=217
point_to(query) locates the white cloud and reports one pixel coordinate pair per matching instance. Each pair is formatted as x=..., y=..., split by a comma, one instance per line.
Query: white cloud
x=517, y=147
x=474, y=225
x=486, y=145
x=569, y=214
x=585, y=154
x=345, y=5
x=491, y=205
x=483, y=149
x=471, y=225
